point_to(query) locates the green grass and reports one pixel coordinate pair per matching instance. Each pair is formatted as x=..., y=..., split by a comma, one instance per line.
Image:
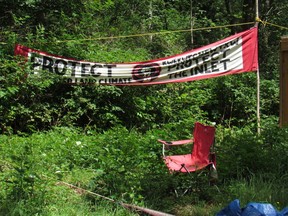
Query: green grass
x=260, y=189
x=121, y=165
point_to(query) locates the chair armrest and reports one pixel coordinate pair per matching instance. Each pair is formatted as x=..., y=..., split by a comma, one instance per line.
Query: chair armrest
x=173, y=143
x=178, y=142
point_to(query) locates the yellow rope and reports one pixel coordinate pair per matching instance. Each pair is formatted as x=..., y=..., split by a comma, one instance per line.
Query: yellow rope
x=163, y=32
x=268, y=23
x=146, y=34
x=154, y=33
x=275, y=25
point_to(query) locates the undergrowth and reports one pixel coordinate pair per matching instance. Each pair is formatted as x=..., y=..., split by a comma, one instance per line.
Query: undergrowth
x=126, y=167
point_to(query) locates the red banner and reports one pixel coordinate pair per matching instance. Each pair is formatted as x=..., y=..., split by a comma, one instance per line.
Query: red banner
x=235, y=54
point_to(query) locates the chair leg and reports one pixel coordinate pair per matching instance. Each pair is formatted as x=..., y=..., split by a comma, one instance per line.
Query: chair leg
x=183, y=166
x=213, y=175
x=186, y=190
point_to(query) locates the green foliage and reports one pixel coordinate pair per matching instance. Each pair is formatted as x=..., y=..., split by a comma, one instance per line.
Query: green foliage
x=127, y=167
x=24, y=100
x=244, y=153
x=70, y=28
x=259, y=187
x=233, y=102
x=31, y=166
x=20, y=178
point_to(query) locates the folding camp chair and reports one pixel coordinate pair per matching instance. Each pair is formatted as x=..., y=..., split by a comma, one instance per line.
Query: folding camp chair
x=201, y=156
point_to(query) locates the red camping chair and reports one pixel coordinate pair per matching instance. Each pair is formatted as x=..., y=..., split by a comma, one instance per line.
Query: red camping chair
x=201, y=156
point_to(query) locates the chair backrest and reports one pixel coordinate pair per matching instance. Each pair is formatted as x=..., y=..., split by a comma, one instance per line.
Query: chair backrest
x=203, y=139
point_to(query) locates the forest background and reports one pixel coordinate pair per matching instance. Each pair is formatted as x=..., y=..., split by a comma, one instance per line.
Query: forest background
x=104, y=138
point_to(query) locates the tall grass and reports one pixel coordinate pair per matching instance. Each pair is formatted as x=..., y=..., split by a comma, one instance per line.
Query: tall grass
x=260, y=188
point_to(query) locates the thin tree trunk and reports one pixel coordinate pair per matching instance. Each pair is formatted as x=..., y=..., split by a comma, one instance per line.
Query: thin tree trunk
x=191, y=23
x=150, y=18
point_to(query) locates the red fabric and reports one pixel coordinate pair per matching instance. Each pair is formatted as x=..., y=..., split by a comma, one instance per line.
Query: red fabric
x=21, y=50
x=199, y=159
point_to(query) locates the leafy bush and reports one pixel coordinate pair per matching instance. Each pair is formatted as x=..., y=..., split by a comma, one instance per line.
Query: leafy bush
x=243, y=153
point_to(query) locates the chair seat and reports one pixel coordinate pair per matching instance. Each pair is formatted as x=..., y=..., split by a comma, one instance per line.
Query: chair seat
x=184, y=163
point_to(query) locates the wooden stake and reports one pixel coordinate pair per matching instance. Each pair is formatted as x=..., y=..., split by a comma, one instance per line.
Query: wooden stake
x=258, y=77
x=128, y=206
x=284, y=81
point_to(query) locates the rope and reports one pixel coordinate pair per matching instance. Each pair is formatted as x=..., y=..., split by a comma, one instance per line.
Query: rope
x=268, y=23
x=144, y=34
x=156, y=33
x=275, y=25
x=161, y=33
